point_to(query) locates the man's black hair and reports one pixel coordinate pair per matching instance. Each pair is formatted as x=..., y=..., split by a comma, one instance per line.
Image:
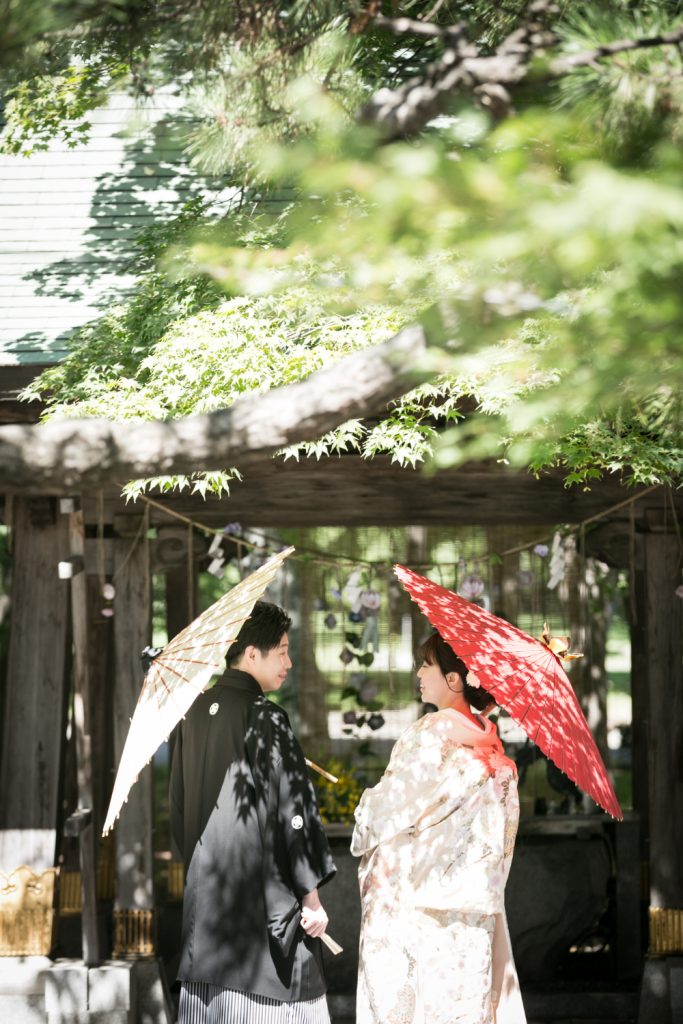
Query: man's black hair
x=264, y=630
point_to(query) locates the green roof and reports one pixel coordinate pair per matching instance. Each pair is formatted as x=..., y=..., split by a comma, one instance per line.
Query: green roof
x=68, y=218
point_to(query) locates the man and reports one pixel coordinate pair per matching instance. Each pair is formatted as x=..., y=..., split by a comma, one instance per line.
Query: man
x=245, y=819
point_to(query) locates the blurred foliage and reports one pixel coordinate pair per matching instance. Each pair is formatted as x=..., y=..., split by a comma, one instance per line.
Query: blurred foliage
x=46, y=107
x=543, y=254
x=337, y=800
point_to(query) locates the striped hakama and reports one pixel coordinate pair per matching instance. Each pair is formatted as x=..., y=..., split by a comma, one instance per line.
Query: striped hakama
x=201, y=1003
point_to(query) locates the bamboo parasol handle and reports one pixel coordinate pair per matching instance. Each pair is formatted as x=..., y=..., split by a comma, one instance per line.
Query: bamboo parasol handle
x=321, y=771
x=333, y=946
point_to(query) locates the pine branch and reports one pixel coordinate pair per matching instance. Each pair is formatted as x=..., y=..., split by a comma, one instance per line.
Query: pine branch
x=424, y=29
x=406, y=110
x=566, y=64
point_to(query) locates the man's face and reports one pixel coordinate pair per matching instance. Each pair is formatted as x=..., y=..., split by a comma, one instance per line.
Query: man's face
x=269, y=669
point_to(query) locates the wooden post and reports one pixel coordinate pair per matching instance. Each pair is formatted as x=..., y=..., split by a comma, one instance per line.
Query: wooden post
x=665, y=685
x=311, y=692
x=179, y=606
x=587, y=674
x=36, y=695
x=100, y=674
x=640, y=704
x=504, y=574
x=660, y=665
x=134, y=902
x=81, y=824
x=172, y=556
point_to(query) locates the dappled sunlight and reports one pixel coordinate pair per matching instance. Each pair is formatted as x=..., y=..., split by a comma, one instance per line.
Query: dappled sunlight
x=524, y=677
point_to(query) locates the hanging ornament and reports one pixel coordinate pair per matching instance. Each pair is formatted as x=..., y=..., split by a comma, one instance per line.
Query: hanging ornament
x=394, y=594
x=330, y=621
x=336, y=593
x=557, y=566
x=108, y=593
x=320, y=604
x=370, y=601
x=352, y=589
x=541, y=550
x=346, y=656
x=472, y=587
x=679, y=591
x=368, y=691
x=233, y=530
x=525, y=577
x=349, y=718
x=375, y=721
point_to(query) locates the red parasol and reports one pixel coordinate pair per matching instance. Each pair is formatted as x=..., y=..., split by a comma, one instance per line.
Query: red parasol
x=524, y=677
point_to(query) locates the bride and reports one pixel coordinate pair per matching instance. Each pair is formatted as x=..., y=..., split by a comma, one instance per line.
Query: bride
x=436, y=837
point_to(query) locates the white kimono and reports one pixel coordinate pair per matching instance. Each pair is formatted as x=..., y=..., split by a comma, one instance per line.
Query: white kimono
x=436, y=837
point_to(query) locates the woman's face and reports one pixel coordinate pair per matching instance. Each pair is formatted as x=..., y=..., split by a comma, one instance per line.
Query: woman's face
x=434, y=687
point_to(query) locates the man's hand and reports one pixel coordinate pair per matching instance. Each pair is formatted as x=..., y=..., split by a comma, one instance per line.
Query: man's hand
x=313, y=916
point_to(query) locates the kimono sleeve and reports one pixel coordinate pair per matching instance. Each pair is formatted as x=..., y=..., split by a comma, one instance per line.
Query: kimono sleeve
x=300, y=836
x=426, y=781
x=296, y=855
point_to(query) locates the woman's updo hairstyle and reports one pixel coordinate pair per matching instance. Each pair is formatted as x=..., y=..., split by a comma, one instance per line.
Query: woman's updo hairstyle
x=435, y=651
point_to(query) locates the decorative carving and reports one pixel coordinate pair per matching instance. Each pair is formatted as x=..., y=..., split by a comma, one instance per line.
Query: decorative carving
x=135, y=934
x=70, y=896
x=175, y=881
x=27, y=914
x=169, y=550
x=666, y=931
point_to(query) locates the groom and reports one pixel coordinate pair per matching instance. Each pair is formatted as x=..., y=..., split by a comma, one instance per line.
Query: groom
x=245, y=819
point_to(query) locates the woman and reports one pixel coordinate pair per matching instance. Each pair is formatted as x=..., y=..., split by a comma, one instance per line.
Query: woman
x=436, y=837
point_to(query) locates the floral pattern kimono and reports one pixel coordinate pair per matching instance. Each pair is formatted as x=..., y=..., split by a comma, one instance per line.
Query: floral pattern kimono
x=436, y=837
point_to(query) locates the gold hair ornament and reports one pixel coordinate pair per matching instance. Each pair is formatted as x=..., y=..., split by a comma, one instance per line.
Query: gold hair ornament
x=559, y=645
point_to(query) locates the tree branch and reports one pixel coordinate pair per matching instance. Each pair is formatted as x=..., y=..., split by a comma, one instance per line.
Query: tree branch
x=566, y=64
x=413, y=27
x=405, y=111
x=66, y=455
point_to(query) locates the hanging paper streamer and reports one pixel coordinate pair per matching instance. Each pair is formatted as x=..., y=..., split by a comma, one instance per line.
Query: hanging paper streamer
x=557, y=566
x=217, y=564
x=351, y=591
x=370, y=601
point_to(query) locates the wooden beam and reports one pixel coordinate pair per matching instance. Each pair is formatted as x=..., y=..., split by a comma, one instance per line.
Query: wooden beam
x=33, y=733
x=350, y=491
x=13, y=380
x=65, y=455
